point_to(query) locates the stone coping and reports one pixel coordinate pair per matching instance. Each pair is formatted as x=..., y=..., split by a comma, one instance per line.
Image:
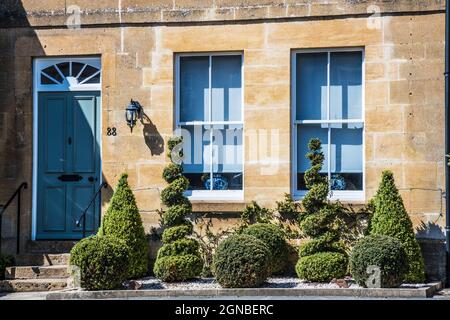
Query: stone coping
x=102, y=12
x=422, y=292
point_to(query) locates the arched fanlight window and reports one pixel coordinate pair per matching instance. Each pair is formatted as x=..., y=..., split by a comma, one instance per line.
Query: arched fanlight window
x=75, y=73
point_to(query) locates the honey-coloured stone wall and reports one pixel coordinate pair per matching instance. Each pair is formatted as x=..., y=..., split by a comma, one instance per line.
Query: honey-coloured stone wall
x=404, y=93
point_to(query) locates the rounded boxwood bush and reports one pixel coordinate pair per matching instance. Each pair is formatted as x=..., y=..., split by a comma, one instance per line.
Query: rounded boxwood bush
x=103, y=262
x=178, y=268
x=322, y=266
x=122, y=220
x=241, y=261
x=384, y=252
x=273, y=237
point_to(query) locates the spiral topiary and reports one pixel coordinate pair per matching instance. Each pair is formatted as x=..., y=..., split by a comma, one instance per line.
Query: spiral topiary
x=179, y=258
x=323, y=257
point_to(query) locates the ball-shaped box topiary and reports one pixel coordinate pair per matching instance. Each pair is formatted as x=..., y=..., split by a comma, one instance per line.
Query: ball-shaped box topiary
x=391, y=219
x=179, y=258
x=122, y=220
x=382, y=253
x=241, y=261
x=178, y=267
x=323, y=257
x=274, y=238
x=102, y=261
x=322, y=266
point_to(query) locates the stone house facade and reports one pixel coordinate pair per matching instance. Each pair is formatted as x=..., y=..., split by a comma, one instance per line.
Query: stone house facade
x=365, y=76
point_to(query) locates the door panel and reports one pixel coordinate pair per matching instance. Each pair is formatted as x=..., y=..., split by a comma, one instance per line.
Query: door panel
x=54, y=202
x=68, y=145
x=84, y=140
x=54, y=139
x=81, y=195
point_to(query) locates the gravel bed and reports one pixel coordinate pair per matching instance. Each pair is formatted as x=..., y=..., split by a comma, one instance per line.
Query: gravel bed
x=210, y=283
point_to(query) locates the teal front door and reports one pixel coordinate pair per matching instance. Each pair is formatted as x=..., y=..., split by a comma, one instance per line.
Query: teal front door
x=68, y=163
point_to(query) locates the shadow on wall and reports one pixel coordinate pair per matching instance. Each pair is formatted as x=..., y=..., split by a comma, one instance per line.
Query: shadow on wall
x=18, y=44
x=153, y=138
x=430, y=230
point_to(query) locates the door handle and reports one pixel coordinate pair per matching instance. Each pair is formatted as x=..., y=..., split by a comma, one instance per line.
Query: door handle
x=91, y=179
x=70, y=177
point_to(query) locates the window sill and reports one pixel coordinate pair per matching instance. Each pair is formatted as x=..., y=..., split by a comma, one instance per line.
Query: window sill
x=353, y=197
x=216, y=201
x=215, y=196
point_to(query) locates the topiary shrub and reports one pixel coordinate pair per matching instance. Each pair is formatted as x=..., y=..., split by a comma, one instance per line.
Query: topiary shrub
x=177, y=233
x=241, y=261
x=178, y=267
x=391, y=219
x=383, y=252
x=254, y=213
x=122, y=220
x=103, y=262
x=320, y=223
x=179, y=258
x=274, y=238
x=322, y=266
x=6, y=260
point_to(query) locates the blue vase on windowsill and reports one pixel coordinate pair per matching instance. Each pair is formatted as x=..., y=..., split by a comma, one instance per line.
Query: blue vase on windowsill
x=219, y=183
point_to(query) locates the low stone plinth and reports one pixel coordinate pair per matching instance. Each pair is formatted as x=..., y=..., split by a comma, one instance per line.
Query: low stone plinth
x=424, y=291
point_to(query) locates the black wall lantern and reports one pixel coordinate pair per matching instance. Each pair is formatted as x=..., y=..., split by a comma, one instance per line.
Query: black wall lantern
x=132, y=113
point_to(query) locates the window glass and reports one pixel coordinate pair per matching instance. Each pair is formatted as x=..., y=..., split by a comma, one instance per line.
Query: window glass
x=346, y=157
x=227, y=157
x=213, y=152
x=311, y=93
x=342, y=138
x=194, y=89
x=226, y=88
x=345, y=85
x=196, y=154
x=52, y=74
x=305, y=133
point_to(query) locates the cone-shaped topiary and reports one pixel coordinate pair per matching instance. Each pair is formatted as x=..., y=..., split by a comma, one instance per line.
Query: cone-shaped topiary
x=122, y=220
x=391, y=219
x=179, y=258
x=323, y=257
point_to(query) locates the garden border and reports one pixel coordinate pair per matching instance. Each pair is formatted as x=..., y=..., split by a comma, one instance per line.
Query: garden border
x=424, y=292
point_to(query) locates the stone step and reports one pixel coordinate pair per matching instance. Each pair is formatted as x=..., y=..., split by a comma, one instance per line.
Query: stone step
x=42, y=259
x=37, y=272
x=30, y=285
x=50, y=246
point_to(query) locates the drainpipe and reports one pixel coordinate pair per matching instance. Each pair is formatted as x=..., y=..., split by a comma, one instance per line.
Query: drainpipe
x=447, y=144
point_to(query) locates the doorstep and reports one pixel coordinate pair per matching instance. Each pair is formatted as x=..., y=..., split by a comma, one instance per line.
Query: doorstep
x=421, y=292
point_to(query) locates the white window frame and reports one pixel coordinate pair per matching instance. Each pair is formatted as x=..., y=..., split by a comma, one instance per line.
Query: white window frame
x=42, y=63
x=344, y=195
x=211, y=195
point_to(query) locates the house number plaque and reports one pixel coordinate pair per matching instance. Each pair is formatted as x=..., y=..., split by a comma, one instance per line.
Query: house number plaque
x=111, y=131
